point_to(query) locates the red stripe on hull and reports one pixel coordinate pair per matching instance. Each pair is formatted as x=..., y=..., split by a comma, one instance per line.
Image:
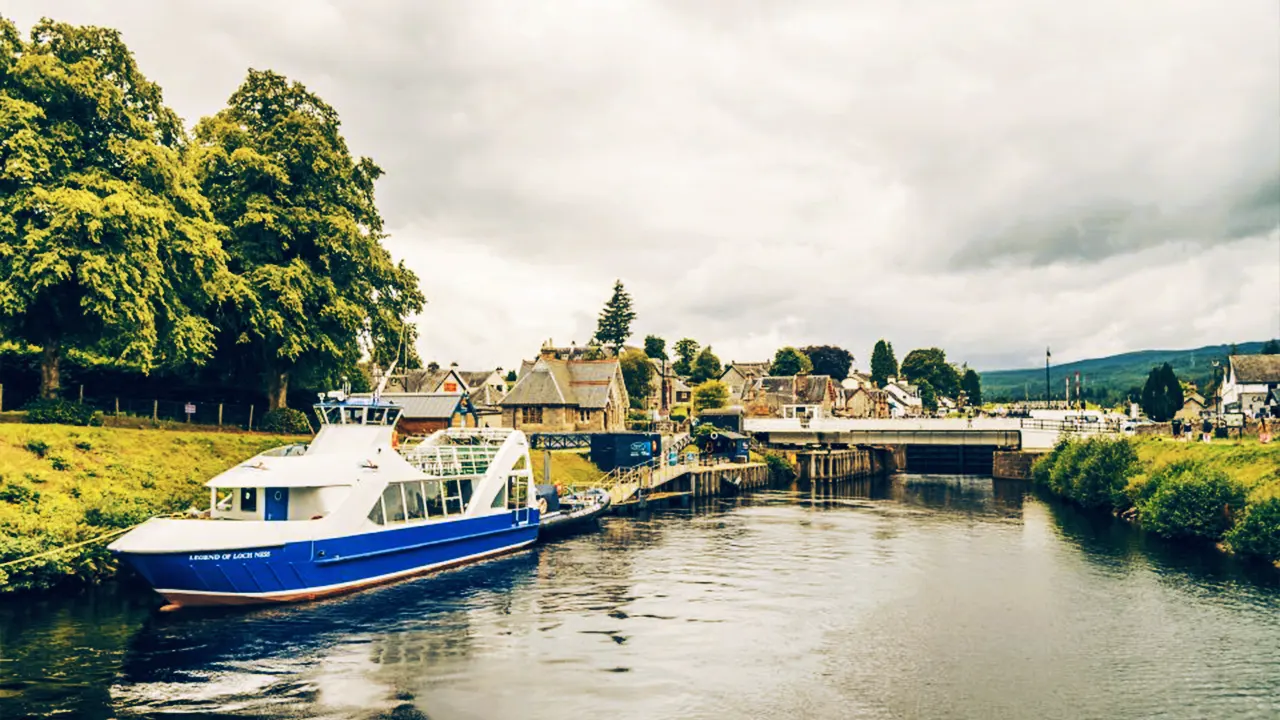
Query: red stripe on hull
x=180, y=599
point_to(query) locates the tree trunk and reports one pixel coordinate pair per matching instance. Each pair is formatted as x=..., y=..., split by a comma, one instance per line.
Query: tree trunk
x=277, y=390
x=50, y=369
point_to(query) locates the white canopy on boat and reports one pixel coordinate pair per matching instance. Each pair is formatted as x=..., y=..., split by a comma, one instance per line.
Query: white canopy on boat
x=296, y=471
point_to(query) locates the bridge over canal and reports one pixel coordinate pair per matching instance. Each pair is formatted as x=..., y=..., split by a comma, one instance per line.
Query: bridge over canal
x=928, y=445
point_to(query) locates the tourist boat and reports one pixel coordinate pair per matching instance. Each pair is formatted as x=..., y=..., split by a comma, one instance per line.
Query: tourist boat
x=562, y=515
x=350, y=509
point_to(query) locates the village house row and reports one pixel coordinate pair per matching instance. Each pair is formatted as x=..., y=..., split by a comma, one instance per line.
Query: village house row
x=562, y=391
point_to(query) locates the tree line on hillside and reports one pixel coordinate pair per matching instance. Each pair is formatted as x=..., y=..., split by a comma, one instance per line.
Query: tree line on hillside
x=925, y=367
x=246, y=249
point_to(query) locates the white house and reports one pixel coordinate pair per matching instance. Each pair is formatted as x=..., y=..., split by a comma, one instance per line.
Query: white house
x=1250, y=378
x=904, y=399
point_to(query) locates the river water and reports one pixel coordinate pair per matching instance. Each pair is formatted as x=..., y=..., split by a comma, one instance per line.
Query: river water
x=911, y=597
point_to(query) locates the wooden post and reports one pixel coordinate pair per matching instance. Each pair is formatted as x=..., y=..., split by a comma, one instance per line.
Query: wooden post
x=250, y=417
x=81, y=400
x=155, y=410
x=219, y=414
x=1, y=397
x=117, y=407
x=546, y=467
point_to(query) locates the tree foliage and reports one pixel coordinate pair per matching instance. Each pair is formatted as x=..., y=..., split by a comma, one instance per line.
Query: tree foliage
x=305, y=237
x=1189, y=499
x=710, y=395
x=637, y=374
x=829, y=360
x=1270, y=347
x=705, y=367
x=614, y=325
x=790, y=361
x=931, y=364
x=883, y=363
x=686, y=351
x=928, y=396
x=971, y=384
x=1162, y=394
x=106, y=243
x=655, y=347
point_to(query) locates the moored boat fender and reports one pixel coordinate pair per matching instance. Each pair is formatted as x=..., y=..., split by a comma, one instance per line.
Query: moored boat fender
x=542, y=506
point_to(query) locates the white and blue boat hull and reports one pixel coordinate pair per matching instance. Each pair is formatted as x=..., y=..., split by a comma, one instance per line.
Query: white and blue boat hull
x=306, y=570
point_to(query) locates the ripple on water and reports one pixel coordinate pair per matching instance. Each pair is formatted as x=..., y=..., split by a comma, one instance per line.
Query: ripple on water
x=925, y=597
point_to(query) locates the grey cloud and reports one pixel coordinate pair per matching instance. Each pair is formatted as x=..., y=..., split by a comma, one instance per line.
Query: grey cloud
x=819, y=171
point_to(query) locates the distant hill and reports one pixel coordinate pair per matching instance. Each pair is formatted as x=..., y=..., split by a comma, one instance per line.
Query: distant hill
x=1107, y=379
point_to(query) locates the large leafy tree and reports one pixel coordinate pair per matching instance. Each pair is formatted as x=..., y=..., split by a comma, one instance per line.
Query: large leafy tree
x=686, y=351
x=305, y=236
x=971, y=384
x=637, y=375
x=790, y=361
x=829, y=360
x=883, y=363
x=931, y=364
x=710, y=395
x=705, y=367
x=1270, y=347
x=106, y=243
x=655, y=347
x=614, y=326
x=928, y=396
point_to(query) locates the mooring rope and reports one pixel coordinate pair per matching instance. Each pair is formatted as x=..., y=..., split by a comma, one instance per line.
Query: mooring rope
x=82, y=543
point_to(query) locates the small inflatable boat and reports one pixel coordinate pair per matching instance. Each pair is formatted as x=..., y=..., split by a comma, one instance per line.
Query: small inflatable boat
x=561, y=516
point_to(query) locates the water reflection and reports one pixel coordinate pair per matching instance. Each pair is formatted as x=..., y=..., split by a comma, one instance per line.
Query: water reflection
x=909, y=596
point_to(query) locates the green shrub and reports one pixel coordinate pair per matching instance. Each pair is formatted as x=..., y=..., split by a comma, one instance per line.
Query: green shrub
x=1257, y=530
x=286, y=420
x=680, y=413
x=1092, y=472
x=18, y=493
x=59, y=463
x=778, y=466
x=84, y=445
x=637, y=415
x=1189, y=499
x=37, y=447
x=62, y=412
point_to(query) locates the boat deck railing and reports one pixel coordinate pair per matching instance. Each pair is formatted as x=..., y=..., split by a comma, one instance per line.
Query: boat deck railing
x=477, y=436
x=451, y=460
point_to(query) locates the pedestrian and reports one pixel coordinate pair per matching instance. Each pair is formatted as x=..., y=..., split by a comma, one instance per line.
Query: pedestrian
x=1206, y=427
x=1264, y=433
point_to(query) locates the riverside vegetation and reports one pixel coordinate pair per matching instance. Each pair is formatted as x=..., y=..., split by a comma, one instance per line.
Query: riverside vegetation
x=1225, y=492
x=62, y=484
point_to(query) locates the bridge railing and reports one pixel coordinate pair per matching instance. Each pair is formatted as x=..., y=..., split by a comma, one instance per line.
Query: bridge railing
x=1073, y=426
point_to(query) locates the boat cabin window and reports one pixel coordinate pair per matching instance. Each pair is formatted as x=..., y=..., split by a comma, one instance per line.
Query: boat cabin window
x=417, y=500
x=353, y=415
x=357, y=415
x=224, y=498
x=393, y=503
x=248, y=499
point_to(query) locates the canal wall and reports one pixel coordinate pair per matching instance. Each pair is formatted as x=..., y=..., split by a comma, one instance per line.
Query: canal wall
x=842, y=464
x=1014, y=465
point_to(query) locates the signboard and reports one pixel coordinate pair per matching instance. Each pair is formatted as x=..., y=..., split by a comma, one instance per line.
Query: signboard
x=191, y=409
x=1234, y=420
x=451, y=387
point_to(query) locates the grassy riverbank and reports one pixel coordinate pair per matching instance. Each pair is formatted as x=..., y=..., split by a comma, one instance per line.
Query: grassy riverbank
x=61, y=484
x=1223, y=491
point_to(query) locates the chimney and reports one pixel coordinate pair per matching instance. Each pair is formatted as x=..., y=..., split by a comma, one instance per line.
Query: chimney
x=548, y=352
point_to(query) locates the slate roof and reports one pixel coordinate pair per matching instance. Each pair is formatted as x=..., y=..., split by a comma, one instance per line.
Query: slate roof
x=417, y=381
x=423, y=406
x=474, y=378
x=485, y=396
x=584, y=383
x=1256, y=369
x=812, y=389
x=749, y=370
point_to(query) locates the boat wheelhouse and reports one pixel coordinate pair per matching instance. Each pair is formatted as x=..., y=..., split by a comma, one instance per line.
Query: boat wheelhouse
x=351, y=508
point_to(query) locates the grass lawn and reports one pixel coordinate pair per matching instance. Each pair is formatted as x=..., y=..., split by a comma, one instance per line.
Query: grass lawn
x=61, y=484
x=1252, y=464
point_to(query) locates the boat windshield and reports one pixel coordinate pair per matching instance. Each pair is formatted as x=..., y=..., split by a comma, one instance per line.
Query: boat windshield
x=346, y=413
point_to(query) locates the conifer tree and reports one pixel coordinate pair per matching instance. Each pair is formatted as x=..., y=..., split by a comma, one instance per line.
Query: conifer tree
x=614, y=326
x=883, y=364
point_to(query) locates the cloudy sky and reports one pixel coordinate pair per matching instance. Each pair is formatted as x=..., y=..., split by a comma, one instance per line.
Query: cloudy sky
x=988, y=176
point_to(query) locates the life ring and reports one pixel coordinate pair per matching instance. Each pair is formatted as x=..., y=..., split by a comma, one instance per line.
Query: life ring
x=714, y=436
x=542, y=506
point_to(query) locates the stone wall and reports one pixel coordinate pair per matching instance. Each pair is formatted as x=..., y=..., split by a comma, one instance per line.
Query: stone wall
x=1014, y=465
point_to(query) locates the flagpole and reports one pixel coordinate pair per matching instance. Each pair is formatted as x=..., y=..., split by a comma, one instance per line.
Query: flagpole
x=1048, y=397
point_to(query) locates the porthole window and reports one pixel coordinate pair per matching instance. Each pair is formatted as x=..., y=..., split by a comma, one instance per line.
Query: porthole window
x=248, y=499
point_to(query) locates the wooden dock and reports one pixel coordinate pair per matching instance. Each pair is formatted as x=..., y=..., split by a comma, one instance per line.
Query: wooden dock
x=681, y=484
